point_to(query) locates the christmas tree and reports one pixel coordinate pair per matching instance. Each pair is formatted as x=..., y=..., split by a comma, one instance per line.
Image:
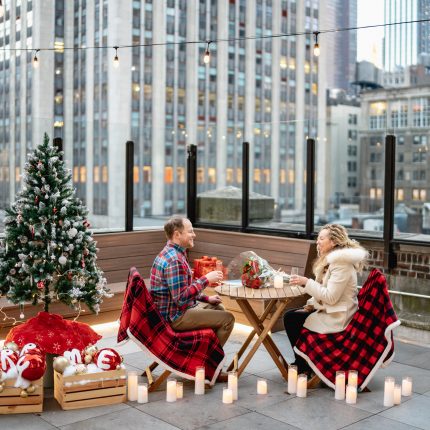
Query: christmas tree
x=48, y=252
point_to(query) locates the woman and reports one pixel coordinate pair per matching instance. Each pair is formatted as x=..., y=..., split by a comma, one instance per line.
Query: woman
x=334, y=291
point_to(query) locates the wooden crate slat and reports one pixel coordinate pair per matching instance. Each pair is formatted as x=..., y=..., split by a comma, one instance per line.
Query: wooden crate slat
x=21, y=409
x=95, y=385
x=12, y=403
x=92, y=394
x=90, y=403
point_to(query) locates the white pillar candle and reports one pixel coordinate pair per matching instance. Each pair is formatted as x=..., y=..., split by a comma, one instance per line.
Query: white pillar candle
x=227, y=396
x=339, y=393
x=261, y=386
x=407, y=386
x=179, y=390
x=232, y=384
x=199, y=387
x=389, y=391
x=302, y=385
x=292, y=379
x=353, y=378
x=142, y=393
x=171, y=390
x=132, y=386
x=397, y=395
x=278, y=281
x=351, y=394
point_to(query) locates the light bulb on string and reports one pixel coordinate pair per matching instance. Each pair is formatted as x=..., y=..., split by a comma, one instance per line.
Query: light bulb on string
x=36, y=60
x=207, y=56
x=116, y=59
x=316, y=45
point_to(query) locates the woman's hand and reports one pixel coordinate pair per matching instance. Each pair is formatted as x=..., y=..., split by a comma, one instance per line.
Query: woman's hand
x=298, y=280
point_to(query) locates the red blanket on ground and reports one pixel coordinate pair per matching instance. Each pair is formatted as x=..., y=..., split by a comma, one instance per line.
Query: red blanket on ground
x=179, y=352
x=365, y=345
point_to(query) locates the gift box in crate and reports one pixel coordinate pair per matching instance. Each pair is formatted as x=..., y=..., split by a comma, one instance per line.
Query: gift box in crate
x=90, y=389
x=207, y=264
x=12, y=402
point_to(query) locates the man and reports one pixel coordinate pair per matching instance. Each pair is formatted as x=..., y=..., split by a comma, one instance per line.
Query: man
x=180, y=299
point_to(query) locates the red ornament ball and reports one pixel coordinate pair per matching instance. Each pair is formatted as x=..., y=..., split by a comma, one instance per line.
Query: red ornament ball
x=55, y=210
x=107, y=359
x=31, y=348
x=41, y=285
x=8, y=359
x=35, y=368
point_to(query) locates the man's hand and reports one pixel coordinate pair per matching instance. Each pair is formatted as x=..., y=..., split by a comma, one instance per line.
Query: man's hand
x=214, y=300
x=214, y=276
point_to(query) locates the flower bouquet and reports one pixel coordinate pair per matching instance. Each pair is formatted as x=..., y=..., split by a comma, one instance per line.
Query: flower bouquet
x=254, y=271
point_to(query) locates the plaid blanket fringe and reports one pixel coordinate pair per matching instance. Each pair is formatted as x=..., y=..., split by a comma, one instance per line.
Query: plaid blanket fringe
x=365, y=345
x=178, y=352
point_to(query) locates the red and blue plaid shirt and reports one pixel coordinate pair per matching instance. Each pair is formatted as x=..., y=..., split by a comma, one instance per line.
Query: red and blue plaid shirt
x=172, y=286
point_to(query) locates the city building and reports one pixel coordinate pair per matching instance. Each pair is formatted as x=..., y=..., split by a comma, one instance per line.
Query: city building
x=161, y=95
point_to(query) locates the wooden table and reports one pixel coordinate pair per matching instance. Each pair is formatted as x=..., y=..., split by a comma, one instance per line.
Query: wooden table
x=276, y=296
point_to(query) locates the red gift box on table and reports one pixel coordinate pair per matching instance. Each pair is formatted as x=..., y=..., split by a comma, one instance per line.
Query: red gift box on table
x=206, y=264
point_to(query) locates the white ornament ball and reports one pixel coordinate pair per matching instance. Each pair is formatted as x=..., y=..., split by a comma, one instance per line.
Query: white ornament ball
x=62, y=260
x=72, y=232
x=60, y=363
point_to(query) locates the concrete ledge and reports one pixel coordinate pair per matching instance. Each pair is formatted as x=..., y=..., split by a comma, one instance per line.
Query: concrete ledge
x=413, y=336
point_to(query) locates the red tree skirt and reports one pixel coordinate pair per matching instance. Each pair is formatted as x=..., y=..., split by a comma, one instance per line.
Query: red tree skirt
x=53, y=333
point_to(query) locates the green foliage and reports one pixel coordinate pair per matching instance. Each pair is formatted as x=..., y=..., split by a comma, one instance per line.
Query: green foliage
x=48, y=252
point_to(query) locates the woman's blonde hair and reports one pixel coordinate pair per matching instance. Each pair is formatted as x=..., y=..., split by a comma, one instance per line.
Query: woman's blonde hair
x=339, y=236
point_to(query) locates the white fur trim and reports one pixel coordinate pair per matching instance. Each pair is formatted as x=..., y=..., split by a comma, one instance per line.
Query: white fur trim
x=347, y=255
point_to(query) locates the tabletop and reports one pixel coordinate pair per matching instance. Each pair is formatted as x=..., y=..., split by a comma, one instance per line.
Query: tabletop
x=236, y=290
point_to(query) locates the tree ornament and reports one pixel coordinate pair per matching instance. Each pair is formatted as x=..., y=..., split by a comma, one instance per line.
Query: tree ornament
x=31, y=348
x=8, y=359
x=62, y=260
x=36, y=199
x=54, y=210
x=60, y=363
x=36, y=366
x=11, y=345
x=41, y=285
x=72, y=233
x=107, y=359
x=24, y=394
x=31, y=389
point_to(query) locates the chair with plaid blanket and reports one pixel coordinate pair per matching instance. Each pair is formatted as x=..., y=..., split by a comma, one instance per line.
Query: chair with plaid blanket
x=365, y=345
x=176, y=352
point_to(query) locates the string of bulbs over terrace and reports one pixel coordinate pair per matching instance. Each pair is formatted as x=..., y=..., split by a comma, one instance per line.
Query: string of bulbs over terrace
x=208, y=43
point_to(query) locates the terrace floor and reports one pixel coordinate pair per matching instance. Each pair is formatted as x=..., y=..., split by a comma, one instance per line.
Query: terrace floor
x=276, y=410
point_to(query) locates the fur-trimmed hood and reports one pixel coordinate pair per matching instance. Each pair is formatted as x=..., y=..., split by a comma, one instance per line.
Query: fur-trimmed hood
x=347, y=255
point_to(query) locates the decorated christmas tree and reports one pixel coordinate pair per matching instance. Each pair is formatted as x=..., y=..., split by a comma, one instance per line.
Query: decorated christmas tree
x=48, y=252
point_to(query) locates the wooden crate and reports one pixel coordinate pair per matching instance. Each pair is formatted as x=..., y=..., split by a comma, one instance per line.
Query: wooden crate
x=103, y=388
x=12, y=403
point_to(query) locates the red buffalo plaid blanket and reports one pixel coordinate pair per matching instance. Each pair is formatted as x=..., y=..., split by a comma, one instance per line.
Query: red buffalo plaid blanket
x=179, y=352
x=365, y=345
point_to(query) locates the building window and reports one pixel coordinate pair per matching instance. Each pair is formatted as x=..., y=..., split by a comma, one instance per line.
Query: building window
x=400, y=195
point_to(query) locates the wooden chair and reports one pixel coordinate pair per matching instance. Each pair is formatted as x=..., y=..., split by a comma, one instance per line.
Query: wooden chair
x=365, y=345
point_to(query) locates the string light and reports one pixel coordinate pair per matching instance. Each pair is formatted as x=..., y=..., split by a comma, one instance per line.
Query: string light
x=207, y=56
x=36, y=60
x=316, y=45
x=116, y=59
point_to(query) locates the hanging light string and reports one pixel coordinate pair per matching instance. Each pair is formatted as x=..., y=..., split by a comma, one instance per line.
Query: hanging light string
x=207, y=56
x=234, y=39
x=316, y=44
x=116, y=59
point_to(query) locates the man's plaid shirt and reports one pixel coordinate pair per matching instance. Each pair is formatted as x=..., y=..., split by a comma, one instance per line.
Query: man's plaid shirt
x=172, y=287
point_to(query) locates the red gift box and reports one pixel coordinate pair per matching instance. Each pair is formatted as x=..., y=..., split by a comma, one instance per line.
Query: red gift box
x=206, y=264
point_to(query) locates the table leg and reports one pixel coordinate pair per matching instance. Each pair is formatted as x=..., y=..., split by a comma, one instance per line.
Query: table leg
x=262, y=336
x=253, y=332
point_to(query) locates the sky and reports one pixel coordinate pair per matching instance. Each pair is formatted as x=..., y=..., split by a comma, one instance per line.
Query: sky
x=370, y=12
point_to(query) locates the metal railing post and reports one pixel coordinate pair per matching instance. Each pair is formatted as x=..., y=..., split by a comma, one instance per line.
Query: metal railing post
x=389, y=189
x=129, y=191
x=192, y=183
x=310, y=186
x=245, y=186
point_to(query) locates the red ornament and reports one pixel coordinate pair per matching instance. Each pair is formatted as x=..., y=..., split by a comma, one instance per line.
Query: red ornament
x=70, y=276
x=8, y=359
x=107, y=359
x=86, y=223
x=31, y=348
x=36, y=199
x=83, y=263
x=54, y=210
x=31, y=366
x=41, y=285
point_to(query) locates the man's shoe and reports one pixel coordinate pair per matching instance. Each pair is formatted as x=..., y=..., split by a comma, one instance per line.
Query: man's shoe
x=222, y=377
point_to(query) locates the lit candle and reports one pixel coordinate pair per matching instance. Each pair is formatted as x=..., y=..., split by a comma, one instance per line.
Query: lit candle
x=142, y=393
x=278, y=281
x=339, y=393
x=232, y=384
x=261, y=386
x=407, y=386
x=397, y=396
x=132, y=386
x=292, y=379
x=199, y=387
x=302, y=385
x=389, y=391
x=179, y=390
x=227, y=396
x=353, y=378
x=351, y=394
x=171, y=390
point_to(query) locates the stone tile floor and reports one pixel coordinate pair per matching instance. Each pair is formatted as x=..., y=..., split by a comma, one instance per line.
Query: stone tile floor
x=276, y=410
